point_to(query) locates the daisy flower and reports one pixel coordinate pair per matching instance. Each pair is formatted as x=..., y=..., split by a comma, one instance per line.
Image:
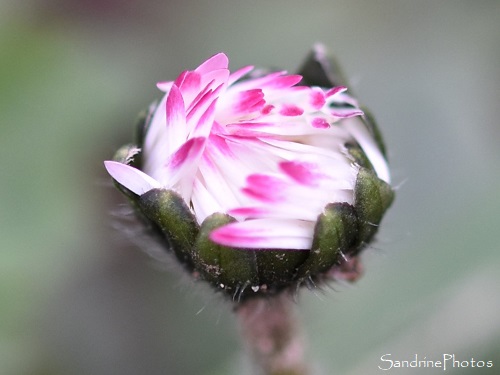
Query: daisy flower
x=235, y=165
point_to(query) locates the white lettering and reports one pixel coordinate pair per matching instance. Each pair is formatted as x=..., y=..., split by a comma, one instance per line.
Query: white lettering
x=446, y=358
x=382, y=358
x=447, y=361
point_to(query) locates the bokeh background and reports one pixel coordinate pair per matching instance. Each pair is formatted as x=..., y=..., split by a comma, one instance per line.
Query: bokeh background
x=77, y=296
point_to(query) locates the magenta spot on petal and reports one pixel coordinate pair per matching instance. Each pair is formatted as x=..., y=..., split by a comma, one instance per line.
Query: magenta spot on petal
x=263, y=181
x=245, y=131
x=276, y=80
x=191, y=82
x=317, y=99
x=185, y=153
x=218, y=145
x=320, y=123
x=285, y=81
x=174, y=107
x=199, y=103
x=231, y=235
x=202, y=95
x=247, y=211
x=259, y=195
x=249, y=101
x=300, y=172
x=291, y=110
x=181, y=78
x=264, y=188
x=205, y=123
x=267, y=109
x=335, y=90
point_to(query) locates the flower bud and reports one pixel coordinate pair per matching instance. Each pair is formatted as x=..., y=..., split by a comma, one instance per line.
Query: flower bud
x=258, y=185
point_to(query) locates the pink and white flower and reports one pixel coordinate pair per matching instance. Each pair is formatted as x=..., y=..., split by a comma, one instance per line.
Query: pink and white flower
x=263, y=149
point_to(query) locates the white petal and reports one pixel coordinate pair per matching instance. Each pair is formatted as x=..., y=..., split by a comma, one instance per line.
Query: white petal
x=359, y=131
x=154, y=151
x=238, y=74
x=204, y=203
x=218, y=61
x=130, y=177
x=221, y=187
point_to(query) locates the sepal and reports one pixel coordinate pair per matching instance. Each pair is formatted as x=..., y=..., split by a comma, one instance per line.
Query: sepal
x=359, y=157
x=321, y=69
x=334, y=234
x=231, y=270
x=168, y=211
x=126, y=154
x=372, y=197
x=278, y=268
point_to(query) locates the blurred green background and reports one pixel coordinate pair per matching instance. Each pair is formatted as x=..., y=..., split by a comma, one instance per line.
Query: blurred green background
x=77, y=297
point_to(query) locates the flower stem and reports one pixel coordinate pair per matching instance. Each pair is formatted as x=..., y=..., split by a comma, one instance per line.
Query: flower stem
x=270, y=329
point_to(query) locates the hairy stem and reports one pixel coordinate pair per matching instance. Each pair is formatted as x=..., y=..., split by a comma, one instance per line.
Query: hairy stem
x=270, y=329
